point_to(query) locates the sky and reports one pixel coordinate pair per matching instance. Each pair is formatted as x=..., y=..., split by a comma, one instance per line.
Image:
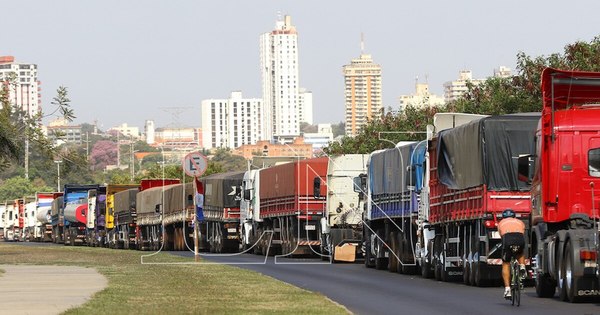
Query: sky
x=129, y=61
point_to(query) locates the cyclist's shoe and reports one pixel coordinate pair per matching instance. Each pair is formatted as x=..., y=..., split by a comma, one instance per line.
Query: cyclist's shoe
x=507, y=294
x=522, y=272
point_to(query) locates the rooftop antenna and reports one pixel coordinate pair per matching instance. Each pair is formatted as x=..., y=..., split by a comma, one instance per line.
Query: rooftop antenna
x=362, y=43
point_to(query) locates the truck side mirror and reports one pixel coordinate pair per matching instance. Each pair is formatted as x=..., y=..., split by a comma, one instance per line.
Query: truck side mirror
x=524, y=168
x=360, y=185
x=158, y=208
x=247, y=195
x=317, y=187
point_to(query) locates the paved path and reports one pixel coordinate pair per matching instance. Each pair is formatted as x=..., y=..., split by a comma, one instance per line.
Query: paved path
x=37, y=289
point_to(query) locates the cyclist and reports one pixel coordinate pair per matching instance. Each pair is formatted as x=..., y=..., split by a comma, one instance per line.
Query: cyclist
x=512, y=231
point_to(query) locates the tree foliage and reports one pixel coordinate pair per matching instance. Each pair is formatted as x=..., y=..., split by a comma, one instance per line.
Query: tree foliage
x=18, y=187
x=103, y=153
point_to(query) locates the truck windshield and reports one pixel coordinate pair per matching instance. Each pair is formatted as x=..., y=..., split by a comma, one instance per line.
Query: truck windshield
x=594, y=162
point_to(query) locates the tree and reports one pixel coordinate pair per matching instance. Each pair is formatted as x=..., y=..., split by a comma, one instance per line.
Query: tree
x=103, y=153
x=18, y=187
x=228, y=161
x=381, y=133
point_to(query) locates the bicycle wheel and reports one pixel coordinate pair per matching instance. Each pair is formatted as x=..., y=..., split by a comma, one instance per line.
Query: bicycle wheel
x=514, y=285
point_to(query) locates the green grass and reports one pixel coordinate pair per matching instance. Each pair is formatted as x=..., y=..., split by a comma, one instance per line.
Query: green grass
x=134, y=288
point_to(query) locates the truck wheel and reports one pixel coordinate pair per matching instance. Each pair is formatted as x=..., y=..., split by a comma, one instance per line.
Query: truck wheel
x=544, y=286
x=476, y=274
x=570, y=278
x=380, y=262
x=392, y=260
x=425, y=269
x=467, y=272
x=437, y=270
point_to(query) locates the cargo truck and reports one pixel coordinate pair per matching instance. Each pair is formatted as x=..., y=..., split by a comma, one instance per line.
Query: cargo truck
x=564, y=172
x=79, y=206
x=125, y=212
x=392, y=208
x=9, y=221
x=292, y=203
x=125, y=218
x=249, y=211
x=57, y=220
x=163, y=204
x=96, y=219
x=29, y=218
x=19, y=222
x=222, y=196
x=2, y=219
x=473, y=177
x=109, y=217
x=43, y=225
x=342, y=225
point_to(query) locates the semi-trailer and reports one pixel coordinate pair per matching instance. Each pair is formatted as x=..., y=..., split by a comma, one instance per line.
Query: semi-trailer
x=109, y=216
x=57, y=220
x=472, y=177
x=125, y=218
x=80, y=222
x=29, y=220
x=564, y=172
x=342, y=224
x=2, y=219
x=292, y=203
x=9, y=221
x=392, y=208
x=43, y=225
x=221, y=208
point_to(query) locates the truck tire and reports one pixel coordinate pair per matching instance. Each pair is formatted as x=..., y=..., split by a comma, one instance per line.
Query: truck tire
x=392, y=261
x=544, y=286
x=467, y=272
x=570, y=278
x=380, y=262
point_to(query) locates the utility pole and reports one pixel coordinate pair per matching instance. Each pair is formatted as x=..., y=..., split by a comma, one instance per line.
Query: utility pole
x=26, y=156
x=131, y=158
x=118, y=150
x=58, y=175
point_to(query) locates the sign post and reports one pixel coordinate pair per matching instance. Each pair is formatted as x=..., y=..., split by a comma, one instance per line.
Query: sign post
x=194, y=165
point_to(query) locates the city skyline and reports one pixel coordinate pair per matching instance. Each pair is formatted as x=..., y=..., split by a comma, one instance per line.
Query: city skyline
x=138, y=60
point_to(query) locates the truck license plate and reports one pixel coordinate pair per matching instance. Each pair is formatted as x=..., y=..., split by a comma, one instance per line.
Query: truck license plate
x=495, y=235
x=231, y=230
x=309, y=227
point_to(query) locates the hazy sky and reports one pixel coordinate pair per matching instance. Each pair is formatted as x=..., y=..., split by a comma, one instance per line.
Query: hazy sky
x=123, y=61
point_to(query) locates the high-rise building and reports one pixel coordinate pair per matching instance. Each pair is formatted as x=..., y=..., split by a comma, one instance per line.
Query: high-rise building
x=453, y=90
x=231, y=122
x=24, y=90
x=362, y=80
x=421, y=98
x=280, y=81
x=305, y=99
x=149, y=131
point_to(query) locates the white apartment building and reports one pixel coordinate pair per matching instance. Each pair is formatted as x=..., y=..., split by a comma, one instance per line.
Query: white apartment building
x=127, y=131
x=280, y=81
x=305, y=99
x=502, y=72
x=149, y=131
x=421, y=98
x=232, y=122
x=363, y=99
x=24, y=92
x=321, y=138
x=453, y=90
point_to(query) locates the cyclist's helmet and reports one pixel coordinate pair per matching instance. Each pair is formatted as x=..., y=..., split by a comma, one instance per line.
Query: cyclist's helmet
x=508, y=213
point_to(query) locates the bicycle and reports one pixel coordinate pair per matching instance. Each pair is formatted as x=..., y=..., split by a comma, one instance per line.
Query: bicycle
x=516, y=282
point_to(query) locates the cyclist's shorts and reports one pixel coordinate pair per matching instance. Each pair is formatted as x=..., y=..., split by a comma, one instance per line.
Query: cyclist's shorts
x=508, y=240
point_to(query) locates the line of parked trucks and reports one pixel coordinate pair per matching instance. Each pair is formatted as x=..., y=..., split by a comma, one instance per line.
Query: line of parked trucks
x=430, y=207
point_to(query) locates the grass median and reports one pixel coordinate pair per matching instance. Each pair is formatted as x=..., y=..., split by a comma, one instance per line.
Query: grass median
x=165, y=289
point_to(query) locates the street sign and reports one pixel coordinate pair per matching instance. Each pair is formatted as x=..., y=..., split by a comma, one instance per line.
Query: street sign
x=194, y=164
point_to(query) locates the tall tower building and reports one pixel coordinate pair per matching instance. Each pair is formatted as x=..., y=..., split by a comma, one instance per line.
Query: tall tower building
x=362, y=80
x=149, y=131
x=305, y=100
x=232, y=122
x=280, y=81
x=24, y=90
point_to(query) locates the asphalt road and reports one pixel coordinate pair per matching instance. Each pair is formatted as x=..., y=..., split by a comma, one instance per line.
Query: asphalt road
x=369, y=291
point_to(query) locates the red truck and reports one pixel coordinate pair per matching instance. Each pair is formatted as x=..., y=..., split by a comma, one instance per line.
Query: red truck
x=473, y=178
x=292, y=202
x=564, y=173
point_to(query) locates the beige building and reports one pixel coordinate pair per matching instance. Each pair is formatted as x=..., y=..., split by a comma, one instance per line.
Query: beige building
x=264, y=148
x=421, y=98
x=362, y=80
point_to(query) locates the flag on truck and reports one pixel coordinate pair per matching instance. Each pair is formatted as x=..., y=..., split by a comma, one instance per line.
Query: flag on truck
x=199, y=200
